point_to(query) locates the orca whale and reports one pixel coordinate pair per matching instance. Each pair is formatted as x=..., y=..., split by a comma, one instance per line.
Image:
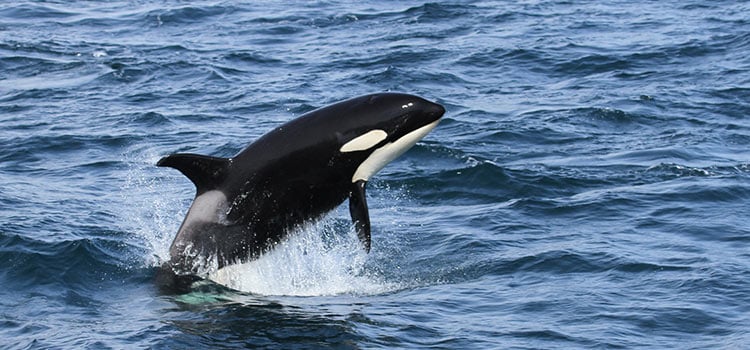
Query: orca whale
x=297, y=172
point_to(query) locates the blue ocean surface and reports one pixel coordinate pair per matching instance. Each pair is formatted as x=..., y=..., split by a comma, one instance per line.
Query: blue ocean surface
x=588, y=187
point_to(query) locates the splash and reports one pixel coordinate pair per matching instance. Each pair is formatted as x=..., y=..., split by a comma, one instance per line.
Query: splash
x=152, y=217
x=314, y=261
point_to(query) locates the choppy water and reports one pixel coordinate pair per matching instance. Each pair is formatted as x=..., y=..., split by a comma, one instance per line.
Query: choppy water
x=588, y=187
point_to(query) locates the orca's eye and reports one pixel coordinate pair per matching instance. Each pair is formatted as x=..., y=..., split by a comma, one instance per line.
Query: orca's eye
x=364, y=141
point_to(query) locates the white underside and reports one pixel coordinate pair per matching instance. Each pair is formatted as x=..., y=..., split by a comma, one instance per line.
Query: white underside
x=390, y=151
x=208, y=207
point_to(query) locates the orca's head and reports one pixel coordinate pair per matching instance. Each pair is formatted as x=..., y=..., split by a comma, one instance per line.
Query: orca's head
x=381, y=127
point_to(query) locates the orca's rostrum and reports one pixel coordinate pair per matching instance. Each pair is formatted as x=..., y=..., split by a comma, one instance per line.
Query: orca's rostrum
x=295, y=173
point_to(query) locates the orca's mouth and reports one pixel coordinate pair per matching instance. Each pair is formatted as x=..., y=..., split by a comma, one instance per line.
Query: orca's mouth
x=435, y=112
x=428, y=113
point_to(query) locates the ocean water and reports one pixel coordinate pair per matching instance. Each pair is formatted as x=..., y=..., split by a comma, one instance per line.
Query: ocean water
x=588, y=187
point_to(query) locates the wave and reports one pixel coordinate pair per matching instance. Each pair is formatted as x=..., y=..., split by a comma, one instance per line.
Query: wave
x=80, y=262
x=23, y=11
x=560, y=262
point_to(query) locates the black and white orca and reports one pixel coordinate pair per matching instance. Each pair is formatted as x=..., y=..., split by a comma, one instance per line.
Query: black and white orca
x=299, y=171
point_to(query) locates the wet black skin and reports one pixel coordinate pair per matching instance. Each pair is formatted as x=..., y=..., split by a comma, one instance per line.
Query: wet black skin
x=292, y=174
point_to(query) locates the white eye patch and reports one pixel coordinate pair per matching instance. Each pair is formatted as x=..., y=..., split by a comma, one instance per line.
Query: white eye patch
x=364, y=141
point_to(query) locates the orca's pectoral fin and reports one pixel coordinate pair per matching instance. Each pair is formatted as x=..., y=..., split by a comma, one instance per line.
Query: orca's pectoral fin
x=204, y=171
x=358, y=210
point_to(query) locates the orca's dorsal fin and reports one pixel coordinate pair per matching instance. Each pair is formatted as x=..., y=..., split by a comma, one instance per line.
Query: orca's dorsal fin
x=204, y=171
x=359, y=212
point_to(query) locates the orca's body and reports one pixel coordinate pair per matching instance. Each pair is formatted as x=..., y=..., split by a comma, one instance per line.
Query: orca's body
x=297, y=172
